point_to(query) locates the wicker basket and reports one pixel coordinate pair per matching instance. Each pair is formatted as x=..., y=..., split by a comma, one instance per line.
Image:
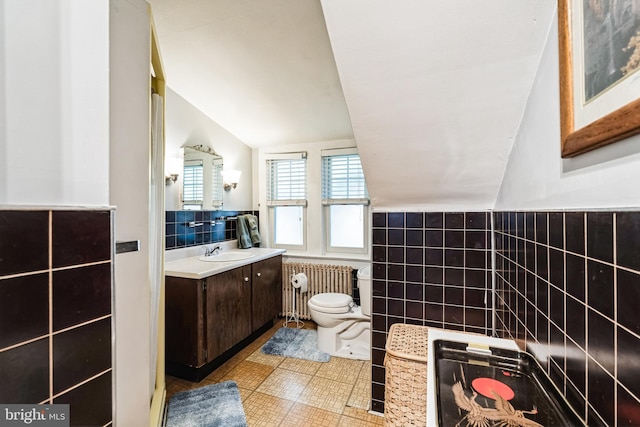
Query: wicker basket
x=405, y=401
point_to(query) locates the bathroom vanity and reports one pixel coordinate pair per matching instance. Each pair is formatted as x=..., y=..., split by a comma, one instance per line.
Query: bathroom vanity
x=214, y=309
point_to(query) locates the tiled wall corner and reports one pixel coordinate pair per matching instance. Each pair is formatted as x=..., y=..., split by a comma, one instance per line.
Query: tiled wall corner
x=568, y=284
x=431, y=269
x=212, y=227
x=56, y=310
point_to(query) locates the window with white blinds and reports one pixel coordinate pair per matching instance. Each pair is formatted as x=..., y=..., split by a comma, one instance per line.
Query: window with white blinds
x=217, y=185
x=193, y=182
x=345, y=199
x=287, y=200
x=343, y=180
x=287, y=181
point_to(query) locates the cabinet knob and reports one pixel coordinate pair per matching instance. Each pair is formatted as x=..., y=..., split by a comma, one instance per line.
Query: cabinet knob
x=258, y=274
x=246, y=279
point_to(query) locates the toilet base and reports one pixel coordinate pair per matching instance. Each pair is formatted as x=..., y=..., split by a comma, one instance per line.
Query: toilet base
x=355, y=350
x=350, y=340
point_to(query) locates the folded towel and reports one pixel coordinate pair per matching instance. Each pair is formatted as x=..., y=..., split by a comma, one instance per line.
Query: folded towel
x=244, y=239
x=248, y=233
x=252, y=222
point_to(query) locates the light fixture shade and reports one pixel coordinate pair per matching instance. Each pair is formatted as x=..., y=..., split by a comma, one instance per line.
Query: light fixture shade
x=231, y=178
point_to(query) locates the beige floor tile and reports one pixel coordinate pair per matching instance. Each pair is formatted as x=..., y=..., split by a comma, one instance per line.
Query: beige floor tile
x=340, y=369
x=302, y=366
x=175, y=385
x=244, y=393
x=217, y=375
x=246, y=352
x=365, y=372
x=346, y=421
x=234, y=361
x=263, y=410
x=268, y=334
x=361, y=395
x=266, y=359
x=308, y=416
x=249, y=374
x=284, y=384
x=294, y=392
x=326, y=394
x=363, y=415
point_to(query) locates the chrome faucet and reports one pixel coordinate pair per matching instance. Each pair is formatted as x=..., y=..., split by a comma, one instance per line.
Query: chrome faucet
x=212, y=251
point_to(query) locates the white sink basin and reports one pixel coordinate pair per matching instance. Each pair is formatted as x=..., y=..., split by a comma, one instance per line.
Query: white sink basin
x=227, y=256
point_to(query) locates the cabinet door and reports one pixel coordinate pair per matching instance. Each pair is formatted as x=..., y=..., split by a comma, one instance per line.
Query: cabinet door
x=267, y=291
x=184, y=321
x=228, y=310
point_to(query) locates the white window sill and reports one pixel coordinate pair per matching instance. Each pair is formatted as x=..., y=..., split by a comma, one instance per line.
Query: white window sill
x=361, y=259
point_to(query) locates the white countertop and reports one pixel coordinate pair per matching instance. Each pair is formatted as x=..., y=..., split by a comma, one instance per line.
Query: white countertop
x=439, y=334
x=192, y=268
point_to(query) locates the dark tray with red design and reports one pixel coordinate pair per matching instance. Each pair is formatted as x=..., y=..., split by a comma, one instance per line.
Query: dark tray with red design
x=492, y=387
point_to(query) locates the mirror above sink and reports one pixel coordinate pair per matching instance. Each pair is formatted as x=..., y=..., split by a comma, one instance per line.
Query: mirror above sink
x=202, y=184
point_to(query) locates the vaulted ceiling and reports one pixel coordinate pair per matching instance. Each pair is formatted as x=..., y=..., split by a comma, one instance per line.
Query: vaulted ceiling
x=432, y=91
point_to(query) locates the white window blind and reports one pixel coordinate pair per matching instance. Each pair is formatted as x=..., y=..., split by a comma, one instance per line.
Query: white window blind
x=193, y=182
x=287, y=181
x=343, y=180
x=217, y=183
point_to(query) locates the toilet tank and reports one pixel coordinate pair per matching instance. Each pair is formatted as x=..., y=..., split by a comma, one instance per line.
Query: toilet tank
x=364, y=287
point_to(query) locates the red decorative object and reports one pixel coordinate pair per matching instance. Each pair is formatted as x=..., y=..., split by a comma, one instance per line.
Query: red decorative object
x=485, y=387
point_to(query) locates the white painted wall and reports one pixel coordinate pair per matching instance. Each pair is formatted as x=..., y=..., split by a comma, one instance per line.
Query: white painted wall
x=3, y=107
x=436, y=91
x=185, y=124
x=129, y=174
x=537, y=178
x=54, y=120
x=61, y=145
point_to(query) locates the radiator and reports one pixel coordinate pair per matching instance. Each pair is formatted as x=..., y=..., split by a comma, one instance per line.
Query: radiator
x=320, y=278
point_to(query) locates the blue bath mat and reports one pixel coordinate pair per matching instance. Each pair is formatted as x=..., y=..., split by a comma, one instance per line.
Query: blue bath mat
x=216, y=405
x=298, y=343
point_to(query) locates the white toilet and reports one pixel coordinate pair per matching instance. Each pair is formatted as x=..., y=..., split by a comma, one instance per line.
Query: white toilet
x=344, y=329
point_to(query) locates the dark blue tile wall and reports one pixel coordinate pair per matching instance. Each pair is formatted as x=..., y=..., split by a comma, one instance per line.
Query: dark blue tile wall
x=431, y=269
x=56, y=310
x=568, y=285
x=194, y=228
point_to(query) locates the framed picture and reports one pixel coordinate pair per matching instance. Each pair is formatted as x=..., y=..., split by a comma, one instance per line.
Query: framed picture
x=599, y=43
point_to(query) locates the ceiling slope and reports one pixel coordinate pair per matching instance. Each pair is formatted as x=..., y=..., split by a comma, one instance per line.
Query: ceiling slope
x=436, y=91
x=261, y=69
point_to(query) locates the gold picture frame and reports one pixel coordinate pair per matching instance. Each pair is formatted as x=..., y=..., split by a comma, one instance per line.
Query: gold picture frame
x=619, y=124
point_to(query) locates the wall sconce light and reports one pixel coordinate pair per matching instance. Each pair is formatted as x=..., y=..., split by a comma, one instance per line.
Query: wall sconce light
x=170, y=179
x=231, y=178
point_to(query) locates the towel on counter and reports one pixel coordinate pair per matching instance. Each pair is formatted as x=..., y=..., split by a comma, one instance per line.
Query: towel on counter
x=248, y=233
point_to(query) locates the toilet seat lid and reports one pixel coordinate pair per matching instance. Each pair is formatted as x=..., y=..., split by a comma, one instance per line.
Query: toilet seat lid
x=332, y=300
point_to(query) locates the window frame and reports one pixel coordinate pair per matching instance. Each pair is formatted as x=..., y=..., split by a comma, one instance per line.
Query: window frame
x=360, y=198
x=274, y=200
x=329, y=249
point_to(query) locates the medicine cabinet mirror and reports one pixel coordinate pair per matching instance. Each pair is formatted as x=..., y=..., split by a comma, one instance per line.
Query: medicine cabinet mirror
x=202, y=185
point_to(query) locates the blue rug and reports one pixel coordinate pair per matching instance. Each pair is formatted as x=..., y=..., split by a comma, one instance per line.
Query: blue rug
x=216, y=405
x=298, y=343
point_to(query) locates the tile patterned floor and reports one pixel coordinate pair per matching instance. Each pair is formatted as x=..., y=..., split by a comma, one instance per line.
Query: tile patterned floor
x=283, y=392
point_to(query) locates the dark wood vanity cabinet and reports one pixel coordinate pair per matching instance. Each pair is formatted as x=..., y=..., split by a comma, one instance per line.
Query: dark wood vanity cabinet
x=183, y=326
x=266, y=297
x=206, y=318
x=227, y=310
